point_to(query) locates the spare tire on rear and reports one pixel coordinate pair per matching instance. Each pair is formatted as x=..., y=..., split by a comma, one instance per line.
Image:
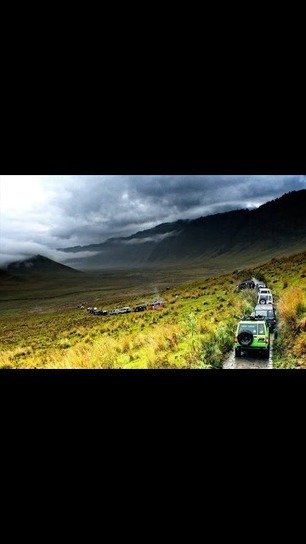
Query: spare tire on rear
x=245, y=338
x=262, y=301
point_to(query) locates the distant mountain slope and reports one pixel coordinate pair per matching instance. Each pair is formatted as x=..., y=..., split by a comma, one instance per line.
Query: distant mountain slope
x=275, y=228
x=39, y=265
x=5, y=275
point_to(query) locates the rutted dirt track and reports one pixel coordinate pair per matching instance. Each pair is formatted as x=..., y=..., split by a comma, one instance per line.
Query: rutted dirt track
x=248, y=361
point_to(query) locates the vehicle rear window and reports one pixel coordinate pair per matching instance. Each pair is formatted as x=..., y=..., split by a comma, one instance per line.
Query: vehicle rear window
x=256, y=328
x=251, y=328
x=261, y=312
x=264, y=313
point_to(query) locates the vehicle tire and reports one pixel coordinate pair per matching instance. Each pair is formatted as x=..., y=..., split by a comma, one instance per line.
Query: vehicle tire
x=245, y=338
x=262, y=301
x=237, y=352
x=267, y=353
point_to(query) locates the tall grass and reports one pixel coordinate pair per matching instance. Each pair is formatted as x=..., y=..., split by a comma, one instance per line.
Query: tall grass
x=291, y=306
x=290, y=346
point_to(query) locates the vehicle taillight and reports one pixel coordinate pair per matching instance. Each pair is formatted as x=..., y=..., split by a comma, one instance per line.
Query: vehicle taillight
x=267, y=340
x=235, y=339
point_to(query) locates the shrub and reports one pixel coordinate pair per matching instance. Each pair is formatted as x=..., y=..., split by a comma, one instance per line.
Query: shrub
x=260, y=276
x=301, y=326
x=291, y=306
x=299, y=348
x=211, y=355
x=247, y=307
x=225, y=334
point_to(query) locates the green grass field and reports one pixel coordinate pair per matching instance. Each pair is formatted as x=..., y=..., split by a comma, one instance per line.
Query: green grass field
x=41, y=326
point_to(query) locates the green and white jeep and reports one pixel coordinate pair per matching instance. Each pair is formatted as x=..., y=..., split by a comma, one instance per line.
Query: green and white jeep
x=252, y=336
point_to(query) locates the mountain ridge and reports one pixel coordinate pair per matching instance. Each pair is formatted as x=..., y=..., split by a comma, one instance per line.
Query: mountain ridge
x=274, y=227
x=38, y=265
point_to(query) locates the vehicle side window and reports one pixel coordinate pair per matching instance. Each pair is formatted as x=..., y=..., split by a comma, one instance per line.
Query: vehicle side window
x=261, y=329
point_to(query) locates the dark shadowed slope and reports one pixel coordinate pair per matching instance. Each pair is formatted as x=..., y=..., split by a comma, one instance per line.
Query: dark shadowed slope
x=39, y=265
x=274, y=229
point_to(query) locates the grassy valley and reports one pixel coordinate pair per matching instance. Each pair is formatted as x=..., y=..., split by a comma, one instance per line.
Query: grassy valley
x=41, y=326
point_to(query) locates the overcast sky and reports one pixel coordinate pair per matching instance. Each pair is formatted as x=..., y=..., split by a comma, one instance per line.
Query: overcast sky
x=41, y=213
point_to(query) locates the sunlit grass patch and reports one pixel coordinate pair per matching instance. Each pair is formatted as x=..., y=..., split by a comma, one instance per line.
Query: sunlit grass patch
x=291, y=305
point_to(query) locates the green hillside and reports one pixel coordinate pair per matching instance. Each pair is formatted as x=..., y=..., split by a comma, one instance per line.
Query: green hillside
x=194, y=330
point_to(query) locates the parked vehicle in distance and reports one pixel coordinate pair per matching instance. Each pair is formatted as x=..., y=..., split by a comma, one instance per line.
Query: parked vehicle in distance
x=140, y=308
x=99, y=312
x=266, y=312
x=248, y=284
x=252, y=336
x=265, y=299
x=91, y=310
x=156, y=304
x=114, y=312
x=125, y=310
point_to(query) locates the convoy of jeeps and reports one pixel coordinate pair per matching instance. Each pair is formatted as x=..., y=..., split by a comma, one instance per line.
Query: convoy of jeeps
x=155, y=305
x=253, y=331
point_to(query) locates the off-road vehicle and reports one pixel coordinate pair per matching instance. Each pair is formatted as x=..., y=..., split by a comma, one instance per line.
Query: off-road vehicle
x=125, y=310
x=114, y=312
x=248, y=284
x=140, y=308
x=266, y=312
x=265, y=298
x=156, y=304
x=264, y=291
x=252, y=336
x=260, y=285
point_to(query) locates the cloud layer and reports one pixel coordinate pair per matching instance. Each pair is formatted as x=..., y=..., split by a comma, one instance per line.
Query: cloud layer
x=41, y=213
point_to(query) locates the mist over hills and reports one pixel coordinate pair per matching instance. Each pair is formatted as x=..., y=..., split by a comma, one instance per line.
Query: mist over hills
x=234, y=238
x=275, y=228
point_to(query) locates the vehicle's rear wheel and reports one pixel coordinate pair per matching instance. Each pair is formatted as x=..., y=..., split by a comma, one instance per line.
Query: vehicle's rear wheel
x=237, y=352
x=267, y=353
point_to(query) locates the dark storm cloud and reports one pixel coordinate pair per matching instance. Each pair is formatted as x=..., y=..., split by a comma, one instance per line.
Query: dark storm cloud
x=99, y=207
x=81, y=210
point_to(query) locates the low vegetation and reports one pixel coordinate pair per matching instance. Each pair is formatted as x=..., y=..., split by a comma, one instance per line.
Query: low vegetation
x=290, y=346
x=195, y=329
